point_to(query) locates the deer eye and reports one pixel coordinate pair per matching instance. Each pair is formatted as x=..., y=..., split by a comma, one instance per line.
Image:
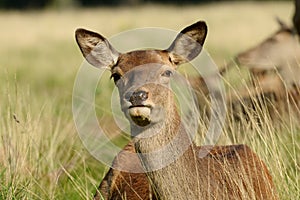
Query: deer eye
x=116, y=77
x=272, y=39
x=167, y=73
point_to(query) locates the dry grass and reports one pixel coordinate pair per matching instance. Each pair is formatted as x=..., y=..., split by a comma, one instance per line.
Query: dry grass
x=41, y=154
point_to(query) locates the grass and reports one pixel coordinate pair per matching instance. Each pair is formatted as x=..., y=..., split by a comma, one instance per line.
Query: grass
x=41, y=154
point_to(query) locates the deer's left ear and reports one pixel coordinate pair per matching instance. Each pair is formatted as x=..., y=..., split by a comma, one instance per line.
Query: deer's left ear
x=282, y=24
x=188, y=43
x=96, y=49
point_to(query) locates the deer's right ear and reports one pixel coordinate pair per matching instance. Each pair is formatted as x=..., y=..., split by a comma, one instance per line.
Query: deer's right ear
x=96, y=49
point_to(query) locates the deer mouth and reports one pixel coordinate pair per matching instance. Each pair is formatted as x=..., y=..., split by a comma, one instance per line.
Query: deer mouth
x=140, y=114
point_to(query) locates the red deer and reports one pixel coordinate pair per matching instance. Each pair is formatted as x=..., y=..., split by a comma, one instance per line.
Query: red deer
x=120, y=185
x=279, y=53
x=164, y=146
x=255, y=102
x=274, y=65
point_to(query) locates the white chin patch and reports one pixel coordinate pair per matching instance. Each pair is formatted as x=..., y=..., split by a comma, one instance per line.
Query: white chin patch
x=140, y=115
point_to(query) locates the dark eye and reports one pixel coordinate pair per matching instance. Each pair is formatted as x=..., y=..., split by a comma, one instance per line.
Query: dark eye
x=272, y=39
x=115, y=76
x=167, y=73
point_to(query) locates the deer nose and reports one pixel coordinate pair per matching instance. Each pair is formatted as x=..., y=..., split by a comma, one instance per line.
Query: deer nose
x=138, y=97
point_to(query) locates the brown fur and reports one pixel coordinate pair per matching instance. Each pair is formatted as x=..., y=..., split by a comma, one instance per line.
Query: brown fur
x=221, y=172
x=278, y=54
x=274, y=67
x=120, y=185
x=268, y=96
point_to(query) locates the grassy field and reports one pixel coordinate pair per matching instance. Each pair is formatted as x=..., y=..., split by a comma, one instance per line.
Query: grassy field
x=41, y=154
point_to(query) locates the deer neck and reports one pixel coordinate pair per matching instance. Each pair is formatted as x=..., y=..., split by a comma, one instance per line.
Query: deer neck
x=156, y=136
x=165, y=146
x=166, y=154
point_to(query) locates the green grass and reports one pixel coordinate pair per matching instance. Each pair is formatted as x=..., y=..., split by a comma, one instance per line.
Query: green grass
x=41, y=154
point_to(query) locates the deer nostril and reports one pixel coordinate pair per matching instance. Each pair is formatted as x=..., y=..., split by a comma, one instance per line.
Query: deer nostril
x=138, y=97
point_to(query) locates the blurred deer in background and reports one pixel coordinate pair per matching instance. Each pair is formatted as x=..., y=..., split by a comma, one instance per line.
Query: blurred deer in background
x=143, y=80
x=278, y=53
x=274, y=67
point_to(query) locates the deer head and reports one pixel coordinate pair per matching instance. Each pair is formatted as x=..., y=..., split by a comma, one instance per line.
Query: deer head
x=270, y=53
x=143, y=76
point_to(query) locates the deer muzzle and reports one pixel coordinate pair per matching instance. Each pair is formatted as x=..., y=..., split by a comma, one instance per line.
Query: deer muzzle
x=138, y=111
